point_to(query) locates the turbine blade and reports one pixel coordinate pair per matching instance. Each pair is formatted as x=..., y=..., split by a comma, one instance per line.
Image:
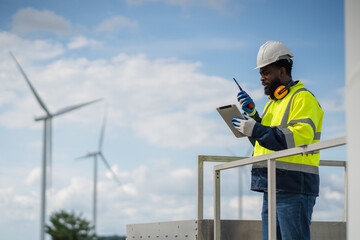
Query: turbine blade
x=109, y=167
x=40, y=101
x=85, y=156
x=101, y=140
x=73, y=107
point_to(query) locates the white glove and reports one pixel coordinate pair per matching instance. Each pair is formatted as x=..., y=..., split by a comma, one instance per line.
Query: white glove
x=244, y=126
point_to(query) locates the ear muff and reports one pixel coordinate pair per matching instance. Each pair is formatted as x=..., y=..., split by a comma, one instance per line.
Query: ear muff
x=283, y=90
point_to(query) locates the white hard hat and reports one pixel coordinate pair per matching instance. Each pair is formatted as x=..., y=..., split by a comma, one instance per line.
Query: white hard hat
x=272, y=51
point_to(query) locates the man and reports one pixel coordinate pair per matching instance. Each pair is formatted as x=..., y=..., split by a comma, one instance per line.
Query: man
x=291, y=118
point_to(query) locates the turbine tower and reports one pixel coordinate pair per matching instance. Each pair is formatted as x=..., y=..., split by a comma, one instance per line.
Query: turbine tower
x=242, y=176
x=101, y=155
x=47, y=141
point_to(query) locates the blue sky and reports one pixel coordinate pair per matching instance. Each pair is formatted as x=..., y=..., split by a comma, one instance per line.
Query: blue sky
x=162, y=68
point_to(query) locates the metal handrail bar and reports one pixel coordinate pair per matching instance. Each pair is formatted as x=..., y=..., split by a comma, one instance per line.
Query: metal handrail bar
x=200, y=179
x=303, y=149
x=208, y=158
x=271, y=163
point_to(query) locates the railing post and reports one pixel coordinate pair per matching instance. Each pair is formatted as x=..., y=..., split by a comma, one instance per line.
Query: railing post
x=345, y=193
x=271, y=199
x=200, y=189
x=217, y=226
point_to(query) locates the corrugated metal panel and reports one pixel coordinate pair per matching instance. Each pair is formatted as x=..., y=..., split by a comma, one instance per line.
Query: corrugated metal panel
x=185, y=230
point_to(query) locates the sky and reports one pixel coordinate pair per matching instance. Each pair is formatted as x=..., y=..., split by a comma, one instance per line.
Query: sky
x=162, y=67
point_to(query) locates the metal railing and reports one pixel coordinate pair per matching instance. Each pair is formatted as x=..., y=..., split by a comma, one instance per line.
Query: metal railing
x=200, y=179
x=232, y=162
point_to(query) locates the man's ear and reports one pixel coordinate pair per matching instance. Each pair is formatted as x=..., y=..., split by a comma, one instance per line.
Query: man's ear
x=282, y=71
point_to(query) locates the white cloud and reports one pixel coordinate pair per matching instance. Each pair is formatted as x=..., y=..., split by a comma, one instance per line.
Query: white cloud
x=182, y=173
x=25, y=200
x=25, y=50
x=5, y=195
x=116, y=24
x=251, y=206
x=330, y=194
x=172, y=104
x=32, y=20
x=330, y=203
x=80, y=42
x=335, y=180
x=14, y=205
x=336, y=103
x=72, y=195
x=33, y=177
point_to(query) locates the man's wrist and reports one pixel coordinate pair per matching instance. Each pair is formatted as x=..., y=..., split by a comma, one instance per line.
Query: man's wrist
x=255, y=132
x=256, y=116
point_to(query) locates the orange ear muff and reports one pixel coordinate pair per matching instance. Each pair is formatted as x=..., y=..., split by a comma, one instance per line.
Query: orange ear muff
x=281, y=92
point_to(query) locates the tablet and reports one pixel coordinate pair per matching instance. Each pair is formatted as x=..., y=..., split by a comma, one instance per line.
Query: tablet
x=227, y=113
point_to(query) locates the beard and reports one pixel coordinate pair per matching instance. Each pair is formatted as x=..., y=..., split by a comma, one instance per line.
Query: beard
x=272, y=87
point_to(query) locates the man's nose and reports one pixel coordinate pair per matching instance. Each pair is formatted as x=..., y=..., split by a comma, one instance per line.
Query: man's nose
x=262, y=78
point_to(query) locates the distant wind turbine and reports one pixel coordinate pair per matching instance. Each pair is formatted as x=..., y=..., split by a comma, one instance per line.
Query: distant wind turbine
x=241, y=177
x=47, y=140
x=95, y=155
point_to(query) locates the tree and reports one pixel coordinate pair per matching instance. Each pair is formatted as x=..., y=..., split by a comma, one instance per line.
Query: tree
x=69, y=226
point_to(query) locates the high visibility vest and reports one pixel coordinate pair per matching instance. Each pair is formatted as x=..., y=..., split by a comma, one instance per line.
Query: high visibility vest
x=299, y=116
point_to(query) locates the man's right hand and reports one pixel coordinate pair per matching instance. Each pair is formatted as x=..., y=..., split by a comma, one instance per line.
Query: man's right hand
x=245, y=100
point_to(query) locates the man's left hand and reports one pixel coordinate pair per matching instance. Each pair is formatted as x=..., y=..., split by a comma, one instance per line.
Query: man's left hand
x=244, y=126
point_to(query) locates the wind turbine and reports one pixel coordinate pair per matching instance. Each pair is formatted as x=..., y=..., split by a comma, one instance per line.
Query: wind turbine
x=47, y=141
x=95, y=155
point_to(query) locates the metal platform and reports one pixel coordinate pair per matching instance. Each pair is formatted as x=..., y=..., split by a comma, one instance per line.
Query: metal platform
x=230, y=230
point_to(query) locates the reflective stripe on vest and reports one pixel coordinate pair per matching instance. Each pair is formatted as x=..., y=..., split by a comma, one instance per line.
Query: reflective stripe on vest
x=284, y=122
x=290, y=166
